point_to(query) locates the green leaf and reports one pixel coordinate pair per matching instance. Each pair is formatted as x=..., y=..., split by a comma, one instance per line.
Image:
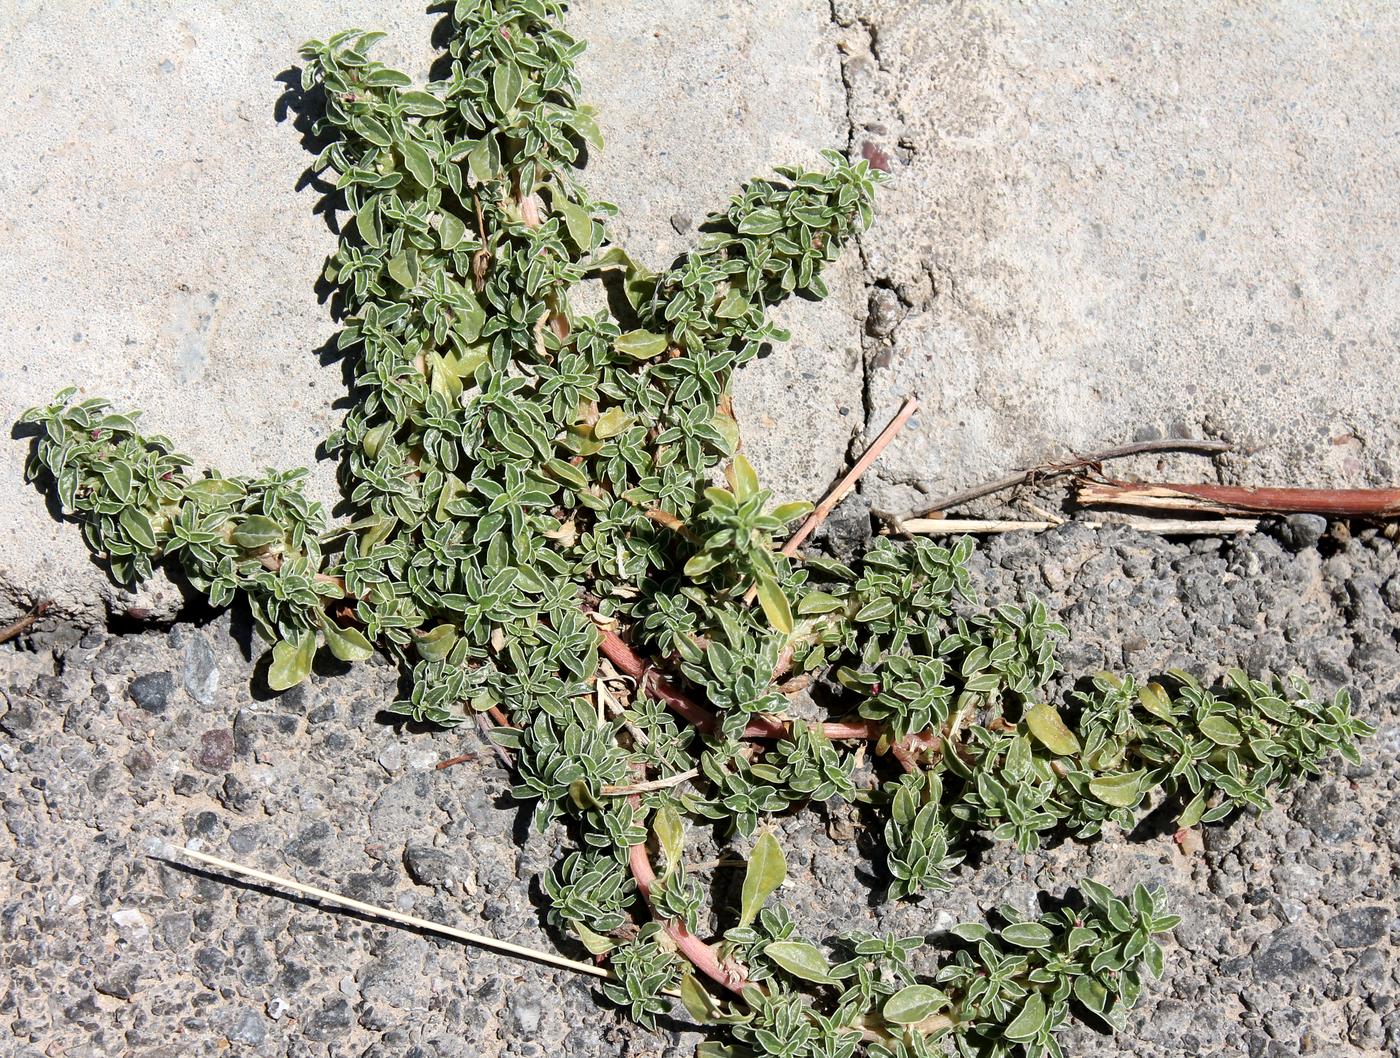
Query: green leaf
x=1051, y=731
x=566, y=473
x=138, y=526
x=291, y=661
x=1220, y=731
x=698, y=565
x=587, y=127
x=1191, y=814
x=611, y=423
x=347, y=644
x=576, y=221
x=1120, y=791
x=210, y=490
x=402, y=271
x=912, y=1004
x=816, y=603
x=767, y=869
x=698, y=1003
x=386, y=78
x=774, y=603
x=594, y=942
x=415, y=157
x=1028, y=935
x=1091, y=992
x=743, y=477
x=641, y=345
x=257, y=531
x=760, y=222
x=118, y=479
x=506, y=84
x=423, y=104
x=1026, y=1025
x=670, y=834
x=367, y=221
x=436, y=644
x=802, y=960
x=451, y=230
x=972, y=932
x=1153, y=697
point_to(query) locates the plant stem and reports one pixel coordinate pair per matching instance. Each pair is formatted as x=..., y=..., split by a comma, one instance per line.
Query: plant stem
x=696, y=951
x=1049, y=469
x=26, y=622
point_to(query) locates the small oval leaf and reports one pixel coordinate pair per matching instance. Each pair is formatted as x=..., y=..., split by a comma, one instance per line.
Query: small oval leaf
x=1051, y=731
x=767, y=869
x=913, y=1004
x=641, y=345
x=801, y=959
x=1026, y=1025
x=291, y=661
x=1120, y=791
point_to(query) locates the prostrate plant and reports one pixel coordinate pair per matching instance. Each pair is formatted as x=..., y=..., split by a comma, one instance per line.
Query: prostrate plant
x=534, y=490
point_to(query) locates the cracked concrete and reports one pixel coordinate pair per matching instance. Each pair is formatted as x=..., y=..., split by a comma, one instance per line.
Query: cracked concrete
x=1128, y=222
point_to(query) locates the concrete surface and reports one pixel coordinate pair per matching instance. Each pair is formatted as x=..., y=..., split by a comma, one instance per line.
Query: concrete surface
x=1122, y=220
x=1103, y=224
x=158, y=250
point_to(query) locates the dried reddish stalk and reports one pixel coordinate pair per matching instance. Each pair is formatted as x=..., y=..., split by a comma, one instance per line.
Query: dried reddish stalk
x=26, y=622
x=699, y=954
x=1342, y=503
x=1051, y=469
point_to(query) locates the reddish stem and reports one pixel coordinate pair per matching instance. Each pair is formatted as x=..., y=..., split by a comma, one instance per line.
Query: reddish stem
x=697, y=952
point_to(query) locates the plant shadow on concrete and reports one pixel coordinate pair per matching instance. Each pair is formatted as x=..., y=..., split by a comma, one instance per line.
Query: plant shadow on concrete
x=551, y=526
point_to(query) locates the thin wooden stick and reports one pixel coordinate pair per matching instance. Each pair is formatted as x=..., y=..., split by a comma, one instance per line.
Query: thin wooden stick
x=26, y=622
x=1165, y=526
x=1050, y=469
x=847, y=483
x=1342, y=503
x=519, y=951
x=652, y=785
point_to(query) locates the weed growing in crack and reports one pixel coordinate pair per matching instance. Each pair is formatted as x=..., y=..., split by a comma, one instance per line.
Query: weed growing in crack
x=543, y=499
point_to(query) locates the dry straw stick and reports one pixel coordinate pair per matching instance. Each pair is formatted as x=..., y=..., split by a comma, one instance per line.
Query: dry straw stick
x=172, y=852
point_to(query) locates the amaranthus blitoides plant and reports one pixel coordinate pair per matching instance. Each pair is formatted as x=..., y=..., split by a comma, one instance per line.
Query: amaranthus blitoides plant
x=534, y=489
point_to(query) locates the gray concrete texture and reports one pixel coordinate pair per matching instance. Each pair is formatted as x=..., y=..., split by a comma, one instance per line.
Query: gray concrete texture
x=1102, y=223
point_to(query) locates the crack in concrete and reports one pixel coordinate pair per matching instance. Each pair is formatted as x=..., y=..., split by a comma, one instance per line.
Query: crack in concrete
x=867, y=278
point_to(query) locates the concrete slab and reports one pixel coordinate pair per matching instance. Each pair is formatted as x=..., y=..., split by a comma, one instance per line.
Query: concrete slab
x=1120, y=221
x=158, y=249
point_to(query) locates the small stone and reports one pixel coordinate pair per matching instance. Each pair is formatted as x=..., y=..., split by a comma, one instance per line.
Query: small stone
x=1304, y=530
x=18, y=719
x=331, y=1021
x=176, y=929
x=680, y=223
x=427, y=865
x=885, y=314
x=276, y=1008
x=152, y=691
x=122, y=983
x=525, y=1009
x=1360, y=927
x=249, y=1028
x=131, y=921
x=201, y=671
x=236, y=794
x=308, y=845
x=391, y=758
x=215, y=751
x=140, y=761
x=1288, y=952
